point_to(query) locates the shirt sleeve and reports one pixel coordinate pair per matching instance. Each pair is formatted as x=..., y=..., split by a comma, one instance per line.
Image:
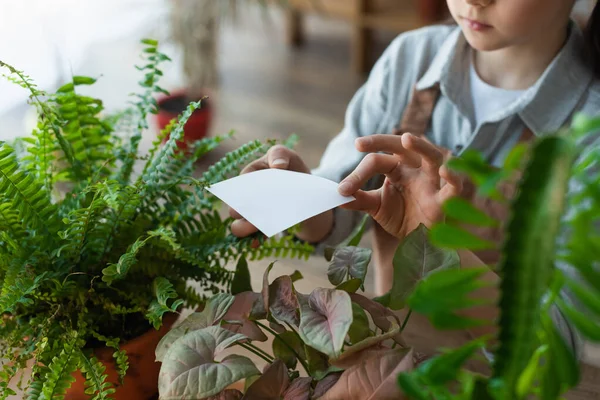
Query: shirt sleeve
x=365, y=115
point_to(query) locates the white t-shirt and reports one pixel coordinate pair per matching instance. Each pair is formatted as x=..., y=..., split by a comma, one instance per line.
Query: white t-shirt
x=488, y=99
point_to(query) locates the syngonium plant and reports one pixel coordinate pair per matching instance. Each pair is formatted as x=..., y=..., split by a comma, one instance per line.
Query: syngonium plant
x=326, y=344
x=94, y=251
x=351, y=347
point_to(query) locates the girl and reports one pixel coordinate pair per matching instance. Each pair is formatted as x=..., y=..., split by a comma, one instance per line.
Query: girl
x=509, y=70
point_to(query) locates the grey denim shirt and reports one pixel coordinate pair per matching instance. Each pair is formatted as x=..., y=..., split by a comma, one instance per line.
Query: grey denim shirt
x=440, y=55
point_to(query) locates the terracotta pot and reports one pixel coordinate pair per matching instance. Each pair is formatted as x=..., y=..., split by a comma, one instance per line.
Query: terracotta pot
x=197, y=126
x=141, y=381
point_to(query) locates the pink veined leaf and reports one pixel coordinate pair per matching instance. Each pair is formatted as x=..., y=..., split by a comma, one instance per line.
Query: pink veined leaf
x=239, y=312
x=325, y=384
x=271, y=385
x=299, y=389
x=325, y=320
x=374, y=378
x=190, y=368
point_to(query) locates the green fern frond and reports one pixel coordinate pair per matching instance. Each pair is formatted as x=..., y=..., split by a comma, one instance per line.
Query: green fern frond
x=10, y=222
x=145, y=105
x=17, y=287
x=123, y=203
x=233, y=161
x=88, y=136
x=49, y=116
x=78, y=225
x=158, y=166
x=164, y=292
x=126, y=261
x=95, y=375
x=42, y=148
x=287, y=246
x=59, y=376
x=192, y=298
x=156, y=144
x=35, y=389
x=25, y=192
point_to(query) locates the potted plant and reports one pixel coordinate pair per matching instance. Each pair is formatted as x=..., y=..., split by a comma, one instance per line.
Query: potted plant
x=195, y=28
x=351, y=347
x=98, y=256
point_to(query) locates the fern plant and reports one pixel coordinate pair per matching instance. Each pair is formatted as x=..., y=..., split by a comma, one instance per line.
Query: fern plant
x=102, y=261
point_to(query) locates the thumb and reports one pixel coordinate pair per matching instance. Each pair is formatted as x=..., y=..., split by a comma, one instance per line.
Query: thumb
x=279, y=157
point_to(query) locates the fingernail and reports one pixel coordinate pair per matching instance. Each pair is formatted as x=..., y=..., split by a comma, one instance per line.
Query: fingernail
x=345, y=187
x=280, y=162
x=365, y=140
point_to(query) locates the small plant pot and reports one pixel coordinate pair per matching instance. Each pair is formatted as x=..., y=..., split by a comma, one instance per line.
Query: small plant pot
x=198, y=125
x=141, y=380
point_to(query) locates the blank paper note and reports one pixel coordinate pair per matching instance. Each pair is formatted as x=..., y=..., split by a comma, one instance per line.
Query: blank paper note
x=274, y=200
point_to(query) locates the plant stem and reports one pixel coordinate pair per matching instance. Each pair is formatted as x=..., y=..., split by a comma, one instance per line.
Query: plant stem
x=275, y=334
x=253, y=350
x=406, y=320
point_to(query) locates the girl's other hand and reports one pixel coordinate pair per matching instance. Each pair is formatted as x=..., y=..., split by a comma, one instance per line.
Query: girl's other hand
x=415, y=187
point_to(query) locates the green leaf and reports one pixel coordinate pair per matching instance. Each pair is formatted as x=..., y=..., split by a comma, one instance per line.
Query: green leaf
x=359, y=329
x=291, y=141
x=383, y=317
x=586, y=296
x=462, y=210
x=59, y=376
x=453, y=237
x=443, y=369
x=190, y=368
x=317, y=362
x=411, y=387
x=414, y=260
x=586, y=326
x=444, y=292
x=296, y=276
x=529, y=375
x=325, y=320
x=350, y=286
x=215, y=310
x=352, y=240
x=164, y=291
x=348, y=261
x=283, y=344
x=149, y=42
x=241, y=280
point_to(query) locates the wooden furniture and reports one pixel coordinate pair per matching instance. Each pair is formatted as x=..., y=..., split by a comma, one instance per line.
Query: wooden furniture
x=365, y=16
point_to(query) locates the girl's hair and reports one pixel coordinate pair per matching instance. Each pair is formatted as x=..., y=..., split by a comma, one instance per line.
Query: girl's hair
x=592, y=34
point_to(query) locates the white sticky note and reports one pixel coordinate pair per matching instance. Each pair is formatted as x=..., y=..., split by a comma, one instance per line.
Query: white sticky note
x=274, y=200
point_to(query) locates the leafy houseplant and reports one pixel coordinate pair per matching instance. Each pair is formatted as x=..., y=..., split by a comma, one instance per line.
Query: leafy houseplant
x=93, y=254
x=337, y=336
x=351, y=347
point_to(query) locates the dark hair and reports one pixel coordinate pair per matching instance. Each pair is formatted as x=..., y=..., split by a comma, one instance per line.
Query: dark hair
x=592, y=36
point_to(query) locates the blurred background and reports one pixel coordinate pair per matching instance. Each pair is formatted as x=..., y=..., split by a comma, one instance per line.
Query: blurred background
x=270, y=67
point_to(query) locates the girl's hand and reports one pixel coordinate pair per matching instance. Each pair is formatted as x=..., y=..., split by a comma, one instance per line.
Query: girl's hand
x=280, y=157
x=416, y=182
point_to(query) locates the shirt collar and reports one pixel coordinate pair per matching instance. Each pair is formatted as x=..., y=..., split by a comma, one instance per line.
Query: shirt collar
x=559, y=89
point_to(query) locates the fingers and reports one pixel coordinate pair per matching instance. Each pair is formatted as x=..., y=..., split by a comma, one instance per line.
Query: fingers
x=388, y=144
x=431, y=157
x=278, y=157
x=372, y=165
x=242, y=228
x=368, y=202
x=453, y=186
